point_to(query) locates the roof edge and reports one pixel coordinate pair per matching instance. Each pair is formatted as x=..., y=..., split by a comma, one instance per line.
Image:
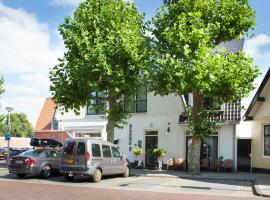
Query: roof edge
x=255, y=98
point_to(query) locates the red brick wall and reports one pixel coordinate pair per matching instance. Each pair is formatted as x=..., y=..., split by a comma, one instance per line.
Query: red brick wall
x=60, y=136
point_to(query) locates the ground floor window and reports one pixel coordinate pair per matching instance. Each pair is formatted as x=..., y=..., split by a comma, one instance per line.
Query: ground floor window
x=267, y=140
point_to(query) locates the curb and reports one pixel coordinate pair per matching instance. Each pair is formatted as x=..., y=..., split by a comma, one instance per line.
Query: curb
x=252, y=182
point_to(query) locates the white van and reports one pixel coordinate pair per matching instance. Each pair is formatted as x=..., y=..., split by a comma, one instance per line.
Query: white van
x=92, y=157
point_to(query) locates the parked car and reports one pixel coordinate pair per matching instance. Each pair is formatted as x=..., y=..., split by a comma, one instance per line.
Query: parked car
x=35, y=161
x=16, y=151
x=3, y=153
x=92, y=157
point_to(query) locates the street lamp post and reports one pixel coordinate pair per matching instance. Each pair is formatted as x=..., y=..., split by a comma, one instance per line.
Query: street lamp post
x=8, y=129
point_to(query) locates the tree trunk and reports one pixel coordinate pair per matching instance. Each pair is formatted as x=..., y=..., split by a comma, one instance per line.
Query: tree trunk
x=195, y=150
x=111, y=121
x=194, y=155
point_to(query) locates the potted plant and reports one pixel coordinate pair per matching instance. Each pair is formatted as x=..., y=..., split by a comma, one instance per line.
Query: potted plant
x=158, y=153
x=138, y=152
x=219, y=163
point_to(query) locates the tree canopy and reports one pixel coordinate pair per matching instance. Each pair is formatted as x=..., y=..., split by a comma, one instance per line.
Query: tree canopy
x=104, y=53
x=185, y=58
x=20, y=126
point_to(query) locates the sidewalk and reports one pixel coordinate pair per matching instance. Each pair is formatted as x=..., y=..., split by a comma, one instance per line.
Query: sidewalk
x=260, y=182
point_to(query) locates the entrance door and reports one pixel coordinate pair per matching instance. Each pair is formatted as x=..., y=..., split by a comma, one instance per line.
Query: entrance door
x=243, y=154
x=151, y=142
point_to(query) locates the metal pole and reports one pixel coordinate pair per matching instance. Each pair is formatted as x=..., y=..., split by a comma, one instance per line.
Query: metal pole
x=8, y=142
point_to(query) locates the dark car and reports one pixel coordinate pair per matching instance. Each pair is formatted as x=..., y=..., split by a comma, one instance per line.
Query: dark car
x=3, y=153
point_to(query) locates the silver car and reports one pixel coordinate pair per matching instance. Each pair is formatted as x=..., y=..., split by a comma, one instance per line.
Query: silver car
x=92, y=157
x=35, y=161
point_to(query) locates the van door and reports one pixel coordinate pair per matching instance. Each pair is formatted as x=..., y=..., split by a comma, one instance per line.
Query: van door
x=81, y=155
x=118, y=163
x=69, y=153
x=107, y=160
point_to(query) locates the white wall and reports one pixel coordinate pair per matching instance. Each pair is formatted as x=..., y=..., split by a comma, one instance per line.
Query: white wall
x=226, y=146
x=173, y=142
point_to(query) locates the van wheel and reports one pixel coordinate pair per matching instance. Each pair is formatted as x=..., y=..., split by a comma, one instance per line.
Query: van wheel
x=68, y=177
x=97, y=176
x=21, y=175
x=46, y=171
x=126, y=172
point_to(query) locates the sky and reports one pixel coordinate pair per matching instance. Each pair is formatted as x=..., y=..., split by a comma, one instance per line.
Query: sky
x=30, y=45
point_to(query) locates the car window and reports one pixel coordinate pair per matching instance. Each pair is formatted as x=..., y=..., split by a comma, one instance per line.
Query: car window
x=96, y=150
x=32, y=152
x=81, y=148
x=115, y=152
x=51, y=154
x=69, y=148
x=106, y=150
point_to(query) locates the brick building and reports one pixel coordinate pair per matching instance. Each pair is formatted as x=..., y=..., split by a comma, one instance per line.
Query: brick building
x=47, y=126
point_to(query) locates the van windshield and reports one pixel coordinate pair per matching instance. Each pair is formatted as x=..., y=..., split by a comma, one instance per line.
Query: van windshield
x=69, y=148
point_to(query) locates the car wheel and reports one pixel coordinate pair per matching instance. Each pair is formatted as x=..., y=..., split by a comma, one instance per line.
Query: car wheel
x=126, y=172
x=21, y=175
x=46, y=171
x=68, y=177
x=97, y=176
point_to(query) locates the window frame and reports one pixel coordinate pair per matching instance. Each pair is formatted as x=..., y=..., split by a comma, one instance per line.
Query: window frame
x=263, y=141
x=117, y=151
x=136, y=101
x=97, y=102
x=99, y=150
x=103, y=152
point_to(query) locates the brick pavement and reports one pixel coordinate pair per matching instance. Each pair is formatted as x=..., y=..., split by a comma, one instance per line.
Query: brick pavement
x=31, y=191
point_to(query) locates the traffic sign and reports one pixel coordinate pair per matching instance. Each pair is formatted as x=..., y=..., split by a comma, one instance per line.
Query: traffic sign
x=7, y=137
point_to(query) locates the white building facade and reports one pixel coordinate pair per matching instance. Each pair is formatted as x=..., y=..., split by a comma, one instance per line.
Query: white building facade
x=155, y=123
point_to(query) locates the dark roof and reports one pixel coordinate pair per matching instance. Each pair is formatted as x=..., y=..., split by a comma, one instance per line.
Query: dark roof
x=233, y=46
x=257, y=95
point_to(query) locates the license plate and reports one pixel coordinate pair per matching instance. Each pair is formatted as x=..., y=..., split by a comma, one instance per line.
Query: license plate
x=69, y=161
x=19, y=161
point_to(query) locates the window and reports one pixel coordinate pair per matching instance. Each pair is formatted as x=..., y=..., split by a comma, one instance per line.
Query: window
x=35, y=152
x=115, y=152
x=138, y=102
x=98, y=105
x=69, y=148
x=106, y=150
x=267, y=140
x=96, y=150
x=51, y=154
x=211, y=103
x=81, y=149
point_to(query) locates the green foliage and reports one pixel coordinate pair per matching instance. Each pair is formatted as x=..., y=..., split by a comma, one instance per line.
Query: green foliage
x=158, y=152
x=104, y=53
x=138, y=151
x=2, y=90
x=20, y=126
x=185, y=58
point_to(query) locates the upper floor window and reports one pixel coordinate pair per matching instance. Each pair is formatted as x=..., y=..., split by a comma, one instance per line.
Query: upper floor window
x=98, y=105
x=266, y=140
x=138, y=102
x=211, y=103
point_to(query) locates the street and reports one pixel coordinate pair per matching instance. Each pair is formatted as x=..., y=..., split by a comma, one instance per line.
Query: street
x=33, y=187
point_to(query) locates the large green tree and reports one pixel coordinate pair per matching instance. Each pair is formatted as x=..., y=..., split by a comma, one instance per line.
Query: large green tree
x=185, y=58
x=20, y=126
x=103, y=41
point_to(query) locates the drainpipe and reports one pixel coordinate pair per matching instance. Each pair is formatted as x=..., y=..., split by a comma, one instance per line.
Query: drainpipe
x=235, y=148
